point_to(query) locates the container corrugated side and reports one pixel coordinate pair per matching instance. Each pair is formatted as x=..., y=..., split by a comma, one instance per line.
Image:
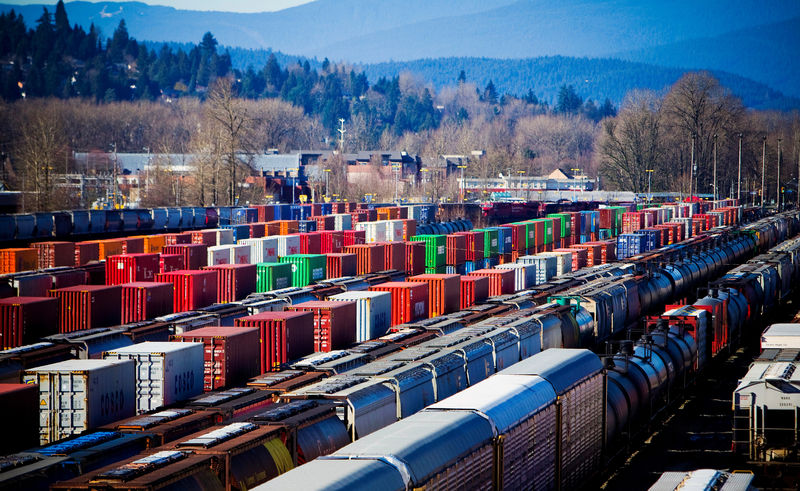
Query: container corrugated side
x=373, y=312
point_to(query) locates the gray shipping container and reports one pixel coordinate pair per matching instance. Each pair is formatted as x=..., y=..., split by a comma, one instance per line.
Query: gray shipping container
x=166, y=372
x=373, y=312
x=79, y=395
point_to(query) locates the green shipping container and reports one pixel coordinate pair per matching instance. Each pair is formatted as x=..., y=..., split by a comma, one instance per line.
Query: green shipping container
x=435, y=249
x=273, y=276
x=306, y=268
x=436, y=270
x=491, y=242
x=566, y=223
x=548, y=230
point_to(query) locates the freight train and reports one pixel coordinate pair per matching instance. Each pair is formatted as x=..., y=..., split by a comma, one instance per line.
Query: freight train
x=378, y=382
x=550, y=420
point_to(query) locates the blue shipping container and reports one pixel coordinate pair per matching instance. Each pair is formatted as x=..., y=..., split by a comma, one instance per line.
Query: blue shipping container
x=239, y=231
x=653, y=238
x=307, y=226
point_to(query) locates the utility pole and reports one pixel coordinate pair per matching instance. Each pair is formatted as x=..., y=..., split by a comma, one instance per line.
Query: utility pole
x=461, y=190
x=691, y=169
x=715, y=167
x=763, y=167
x=739, y=185
x=778, y=177
x=650, y=194
x=341, y=131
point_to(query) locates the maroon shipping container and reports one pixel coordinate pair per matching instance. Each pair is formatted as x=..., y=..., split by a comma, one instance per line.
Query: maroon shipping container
x=370, y=257
x=234, y=281
x=593, y=253
x=207, y=237
x=25, y=320
x=456, y=249
x=338, y=208
x=474, y=289
x=171, y=262
x=501, y=281
x=95, y=273
x=325, y=222
x=127, y=268
x=474, y=245
x=353, y=237
x=257, y=230
x=181, y=238
x=310, y=243
x=55, y=254
x=87, y=306
x=19, y=407
x=394, y=255
x=632, y=221
x=230, y=354
x=579, y=256
x=334, y=240
x=86, y=252
x=133, y=245
x=194, y=255
x=341, y=264
x=284, y=336
x=70, y=277
x=444, y=291
x=143, y=301
x=606, y=217
x=409, y=300
x=266, y=213
x=192, y=289
x=334, y=323
x=415, y=257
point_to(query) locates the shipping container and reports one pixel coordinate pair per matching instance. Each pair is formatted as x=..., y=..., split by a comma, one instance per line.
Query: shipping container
x=334, y=323
x=80, y=395
x=409, y=300
x=474, y=289
x=288, y=245
x=127, y=268
x=307, y=269
x=310, y=242
x=86, y=252
x=19, y=406
x=474, y=245
x=353, y=237
x=435, y=249
x=394, y=256
x=370, y=257
x=231, y=355
x=373, y=231
x=373, y=312
x=55, y=254
x=273, y=276
x=87, y=306
x=16, y=260
x=524, y=274
x=25, y=320
x=415, y=258
x=579, y=256
x=501, y=282
x=170, y=262
x=262, y=250
x=443, y=292
x=234, y=281
x=145, y=300
x=194, y=255
x=192, y=289
x=339, y=265
x=456, y=249
x=284, y=336
x=166, y=373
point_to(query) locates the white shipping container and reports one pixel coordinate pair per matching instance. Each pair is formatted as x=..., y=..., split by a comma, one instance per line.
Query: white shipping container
x=342, y=221
x=262, y=250
x=240, y=254
x=224, y=236
x=546, y=266
x=219, y=255
x=781, y=336
x=288, y=245
x=524, y=274
x=373, y=231
x=373, y=312
x=80, y=395
x=564, y=261
x=394, y=230
x=166, y=372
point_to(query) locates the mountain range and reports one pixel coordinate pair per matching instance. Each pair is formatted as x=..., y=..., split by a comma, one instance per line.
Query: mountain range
x=589, y=43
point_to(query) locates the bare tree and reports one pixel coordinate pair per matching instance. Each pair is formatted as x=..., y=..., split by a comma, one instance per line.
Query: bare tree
x=40, y=147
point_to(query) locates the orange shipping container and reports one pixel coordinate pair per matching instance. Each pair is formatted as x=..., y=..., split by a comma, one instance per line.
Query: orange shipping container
x=18, y=259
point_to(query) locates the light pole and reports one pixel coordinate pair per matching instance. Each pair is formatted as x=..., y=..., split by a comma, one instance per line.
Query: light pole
x=461, y=188
x=715, y=167
x=574, y=191
x=327, y=192
x=649, y=194
x=763, y=168
x=294, y=181
x=778, y=178
x=739, y=185
x=691, y=169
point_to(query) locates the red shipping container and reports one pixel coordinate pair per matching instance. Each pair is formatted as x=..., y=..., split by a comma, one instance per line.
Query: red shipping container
x=25, y=320
x=127, y=268
x=517, y=236
x=194, y=255
x=556, y=235
x=86, y=252
x=594, y=253
x=608, y=250
x=310, y=243
x=284, y=336
x=257, y=230
x=192, y=289
x=325, y=222
x=501, y=281
x=181, y=238
x=358, y=216
x=334, y=240
x=606, y=217
x=19, y=405
x=632, y=221
x=678, y=231
x=370, y=257
x=394, y=255
x=234, y=281
x=353, y=237
x=474, y=245
x=456, y=249
x=409, y=228
x=170, y=262
x=230, y=354
x=578, y=256
x=341, y=264
x=334, y=323
x=444, y=292
x=266, y=213
x=349, y=206
x=55, y=254
x=536, y=245
x=133, y=245
x=18, y=259
x=87, y=306
x=207, y=237
x=145, y=300
x=474, y=289
x=409, y=300
x=415, y=257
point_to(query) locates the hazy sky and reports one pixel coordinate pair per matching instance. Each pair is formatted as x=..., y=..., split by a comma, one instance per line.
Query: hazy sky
x=225, y=5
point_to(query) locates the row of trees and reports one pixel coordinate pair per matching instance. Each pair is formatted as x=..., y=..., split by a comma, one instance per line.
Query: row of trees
x=697, y=119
